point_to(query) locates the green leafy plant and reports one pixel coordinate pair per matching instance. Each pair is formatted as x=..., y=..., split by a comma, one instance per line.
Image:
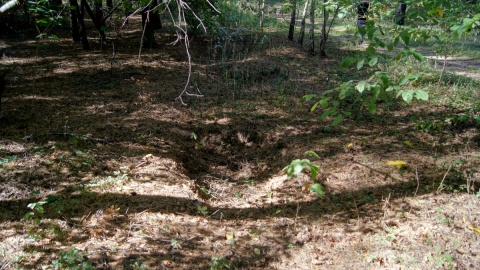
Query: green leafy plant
x=72, y=259
x=138, y=266
x=37, y=210
x=219, y=263
x=175, y=244
x=443, y=259
x=202, y=210
x=296, y=167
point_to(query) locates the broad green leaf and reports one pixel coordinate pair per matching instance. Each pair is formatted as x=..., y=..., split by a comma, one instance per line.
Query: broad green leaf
x=324, y=103
x=422, y=95
x=371, y=50
x=361, y=86
x=297, y=169
x=390, y=47
x=347, y=61
x=327, y=113
x=360, y=64
x=337, y=120
x=376, y=90
x=345, y=92
x=317, y=188
x=407, y=95
x=372, y=108
x=309, y=97
x=312, y=154
x=373, y=62
x=405, y=35
x=404, y=80
x=385, y=80
x=418, y=56
x=313, y=171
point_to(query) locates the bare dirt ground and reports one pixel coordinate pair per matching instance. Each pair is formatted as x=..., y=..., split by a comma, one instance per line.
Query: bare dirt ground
x=135, y=179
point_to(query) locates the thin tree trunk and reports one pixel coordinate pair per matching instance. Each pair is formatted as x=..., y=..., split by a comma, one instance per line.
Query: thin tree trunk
x=326, y=31
x=324, y=36
x=74, y=20
x=312, y=28
x=293, y=5
x=96, y=22
x=302, y=27
x=262, y=13
x=3, y=72
x=150, y=22
x=83, y=29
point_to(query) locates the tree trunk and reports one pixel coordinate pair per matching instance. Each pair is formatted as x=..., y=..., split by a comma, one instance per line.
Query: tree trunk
x=262, y=13
x=98, y=12
x=324, y=36
x=83, y=29
x=293, y=6
x=98, y=23
x=150, y=22
x=74, y=20
x=400, y=13
x=3, y=72
x=302, y=27
x=312, y=28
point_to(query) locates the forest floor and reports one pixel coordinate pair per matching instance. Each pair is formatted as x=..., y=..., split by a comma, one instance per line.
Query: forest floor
x=128, y=175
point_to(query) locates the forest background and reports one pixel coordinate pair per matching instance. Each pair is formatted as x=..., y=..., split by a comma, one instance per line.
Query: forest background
x=239, y=134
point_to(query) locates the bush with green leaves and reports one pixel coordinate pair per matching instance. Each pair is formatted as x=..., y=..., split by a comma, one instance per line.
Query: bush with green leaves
x=296, y=167
x=72, y=259
x=219, y=263
x=386, y=60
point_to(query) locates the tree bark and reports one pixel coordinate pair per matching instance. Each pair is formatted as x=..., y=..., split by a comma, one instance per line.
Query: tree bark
x=74, y=20
x=83, y=31
x=302, y=27
x=262, y=13
x=96, y=22
x=312, y=28
x=293, y=5
x=150, y=22
x=324, y=36
x=2, y=85
x=400, y=13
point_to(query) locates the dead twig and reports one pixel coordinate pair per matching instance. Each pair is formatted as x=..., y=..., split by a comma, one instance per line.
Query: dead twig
x=418, y=181
x=440, y=187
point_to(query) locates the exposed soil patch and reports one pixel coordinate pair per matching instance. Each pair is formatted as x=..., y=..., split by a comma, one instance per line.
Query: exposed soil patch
x=133, y=177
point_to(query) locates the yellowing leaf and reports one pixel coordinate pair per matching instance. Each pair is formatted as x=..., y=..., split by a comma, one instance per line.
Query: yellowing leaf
x=440, y=12
x=397, y=163
x=408, y=144
x=229, y=236
x=474, y=229
x=257, y=251
x=350, y=145
x=306, y=187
